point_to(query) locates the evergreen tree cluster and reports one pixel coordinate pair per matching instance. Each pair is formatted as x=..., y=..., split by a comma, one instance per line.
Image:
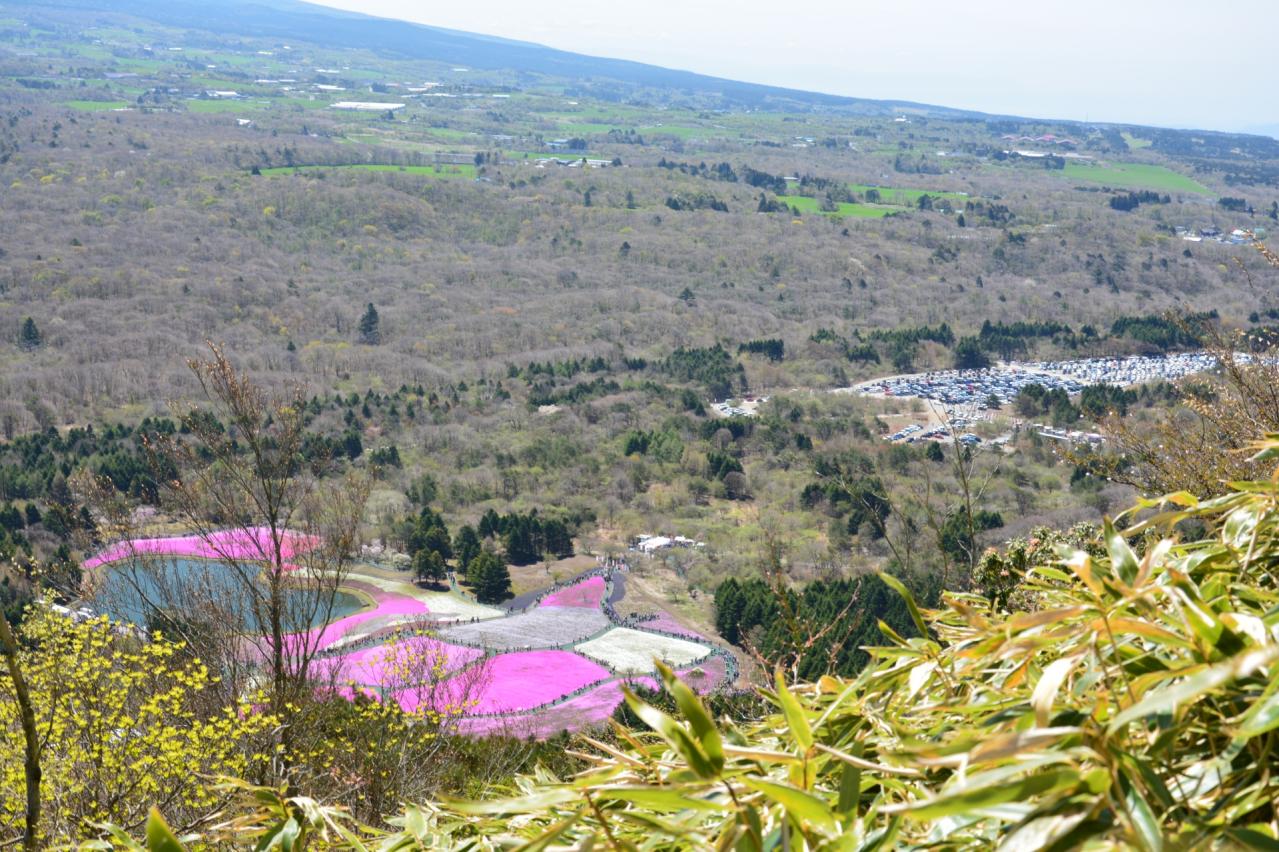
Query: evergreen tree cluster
x=860, y=352
x=1095, y=401
x=847, y=487
x=915, y=334
x=1133, y=200
x=1009, y=339
x=1163, y=333
x=763, y=180
x=580, y=392
x=663, y=445
x=29, y=464
x=29, y=337
x=696, y=201
x=431, y=549
x=772, y=348
x=969, y=355
x=710, y=366
x=370, y=327
x=527, y=538
x=749, y=614
x=719, y=171
x=489, y=577
x=428, y=544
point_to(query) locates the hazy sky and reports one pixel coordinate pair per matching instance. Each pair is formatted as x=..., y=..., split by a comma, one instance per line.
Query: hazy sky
x=1171, y=62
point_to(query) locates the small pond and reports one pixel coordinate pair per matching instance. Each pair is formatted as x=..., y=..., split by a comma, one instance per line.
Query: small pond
x=123, y=593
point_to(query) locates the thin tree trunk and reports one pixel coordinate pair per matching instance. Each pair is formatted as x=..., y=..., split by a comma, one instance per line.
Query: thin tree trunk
x=29, y=734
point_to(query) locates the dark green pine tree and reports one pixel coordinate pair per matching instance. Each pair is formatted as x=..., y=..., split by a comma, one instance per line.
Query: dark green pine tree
x=489, y=578
x=519, y=543
x=467, y=546
x=370, y=331
x=30, y=336
x=429, y=566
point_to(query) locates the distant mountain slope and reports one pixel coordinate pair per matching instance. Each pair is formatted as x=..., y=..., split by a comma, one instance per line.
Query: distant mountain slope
x=320, y=25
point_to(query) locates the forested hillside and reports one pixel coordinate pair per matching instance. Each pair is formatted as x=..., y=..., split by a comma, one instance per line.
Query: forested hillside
x=415, y=439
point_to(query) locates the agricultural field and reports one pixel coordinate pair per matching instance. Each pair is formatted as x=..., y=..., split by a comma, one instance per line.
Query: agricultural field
x=218, y=107
x=905, y=197
x=1134, y=142
x=855, y=210
x=1134, y=176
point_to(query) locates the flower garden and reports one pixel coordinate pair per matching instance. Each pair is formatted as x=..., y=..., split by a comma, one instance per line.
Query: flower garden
x=559, y=663
x=254, y=544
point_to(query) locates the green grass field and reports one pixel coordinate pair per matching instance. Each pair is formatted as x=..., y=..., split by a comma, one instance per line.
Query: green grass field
x=684, y=132
x=221, y=106
x=1135, y=142
x=1134, y=176
x=859, y=211
x=95, y=106
x=904, y=197
x=444, y=172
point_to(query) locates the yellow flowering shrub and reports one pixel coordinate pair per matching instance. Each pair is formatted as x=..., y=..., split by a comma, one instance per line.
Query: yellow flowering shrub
x=364, y=749
x=125, y=723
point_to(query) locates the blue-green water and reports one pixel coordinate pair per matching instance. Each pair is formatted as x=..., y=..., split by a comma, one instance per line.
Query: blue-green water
x=213, y=587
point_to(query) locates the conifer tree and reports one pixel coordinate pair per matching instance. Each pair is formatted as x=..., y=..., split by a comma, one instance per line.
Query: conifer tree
x=489, y=577
x=429, y=566
x=467, y=546
x=30, y=337
x=370, y=327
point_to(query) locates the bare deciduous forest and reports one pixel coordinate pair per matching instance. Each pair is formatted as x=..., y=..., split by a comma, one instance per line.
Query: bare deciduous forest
x=522, y=293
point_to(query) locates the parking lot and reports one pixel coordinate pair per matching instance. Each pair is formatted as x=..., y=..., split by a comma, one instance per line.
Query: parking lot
x=961, y=393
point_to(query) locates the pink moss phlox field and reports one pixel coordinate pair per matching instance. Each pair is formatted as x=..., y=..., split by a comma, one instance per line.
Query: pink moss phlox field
x=713, y=673
x=369, y=666
x=254, y=544
x=516, y=681
x=589, y=593
x=590, y=709
x=667, y=623
x=387, y=608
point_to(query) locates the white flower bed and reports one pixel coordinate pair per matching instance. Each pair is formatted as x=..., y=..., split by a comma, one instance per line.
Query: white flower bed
x=544, y=627
x=628, y=651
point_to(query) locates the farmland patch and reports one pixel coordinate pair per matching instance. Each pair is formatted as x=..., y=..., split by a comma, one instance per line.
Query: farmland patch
x=1134, y=176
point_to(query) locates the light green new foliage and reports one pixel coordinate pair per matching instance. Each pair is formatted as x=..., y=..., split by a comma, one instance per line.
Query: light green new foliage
x=1133, y=702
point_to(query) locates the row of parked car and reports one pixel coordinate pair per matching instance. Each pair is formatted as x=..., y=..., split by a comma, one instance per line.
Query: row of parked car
x=954, y=388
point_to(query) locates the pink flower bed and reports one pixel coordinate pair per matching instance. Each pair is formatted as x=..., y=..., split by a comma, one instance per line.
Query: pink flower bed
x=517, y=681
x=387, y=609
x=589, y=593
x=253, y=543
x=590, y=709
x=369, y=665
x=667, y=623
x=713, y=674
